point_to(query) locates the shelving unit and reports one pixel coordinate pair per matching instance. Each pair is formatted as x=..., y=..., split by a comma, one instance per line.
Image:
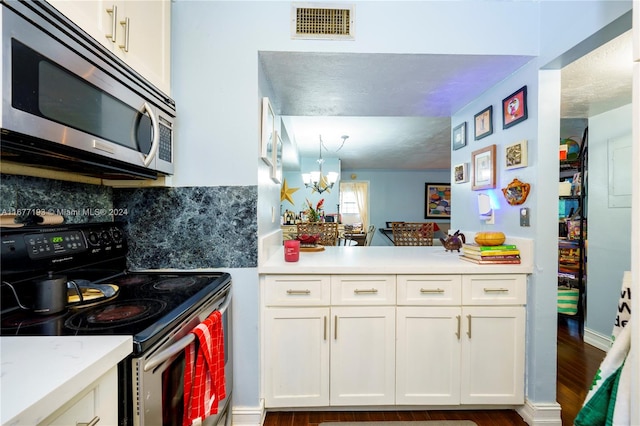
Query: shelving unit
x=572, y=248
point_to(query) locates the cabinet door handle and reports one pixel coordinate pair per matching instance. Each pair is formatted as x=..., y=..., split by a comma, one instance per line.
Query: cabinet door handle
x=469, y=325
x=496, y=290
x=290, y=291
x=126, y=24
x=325, y=327
x=458, y=332
x=430, y=290
x=366, y=291
x=335, y=328
x=113, y=11
x=93, y=422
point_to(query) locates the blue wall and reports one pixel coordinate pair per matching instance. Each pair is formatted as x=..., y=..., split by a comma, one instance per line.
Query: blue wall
x=219, y=105
x=608, y=225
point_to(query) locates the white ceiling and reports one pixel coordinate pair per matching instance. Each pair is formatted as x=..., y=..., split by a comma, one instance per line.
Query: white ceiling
x=396, y=108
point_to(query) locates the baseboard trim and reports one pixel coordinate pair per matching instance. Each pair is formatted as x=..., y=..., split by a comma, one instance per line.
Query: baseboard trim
x=248, y=416
x=540, y=414
x=596, y=339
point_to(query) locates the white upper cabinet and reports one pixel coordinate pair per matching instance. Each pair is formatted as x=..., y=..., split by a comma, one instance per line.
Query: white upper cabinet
x=138, y=32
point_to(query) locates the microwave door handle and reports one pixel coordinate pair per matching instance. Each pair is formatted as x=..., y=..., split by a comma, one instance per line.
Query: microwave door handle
x=179, y=346
x=156, y=135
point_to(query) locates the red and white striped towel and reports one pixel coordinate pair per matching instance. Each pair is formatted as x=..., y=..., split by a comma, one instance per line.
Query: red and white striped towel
x=204, y=381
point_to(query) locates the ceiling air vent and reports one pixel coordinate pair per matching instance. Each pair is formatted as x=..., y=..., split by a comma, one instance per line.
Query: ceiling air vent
x=322, y=21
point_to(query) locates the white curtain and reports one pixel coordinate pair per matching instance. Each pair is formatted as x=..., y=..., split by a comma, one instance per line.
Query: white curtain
x=361, y=191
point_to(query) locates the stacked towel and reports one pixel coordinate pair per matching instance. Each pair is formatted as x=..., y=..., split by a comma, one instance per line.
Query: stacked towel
x=609, y=399
x=204, y=380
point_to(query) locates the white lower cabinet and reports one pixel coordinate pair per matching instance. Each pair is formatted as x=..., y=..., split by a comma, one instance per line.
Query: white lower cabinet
x=393, y=340
x=97, y=404
x=363, y=355
x=428, y=356
x=296, y=357
x=492, y=363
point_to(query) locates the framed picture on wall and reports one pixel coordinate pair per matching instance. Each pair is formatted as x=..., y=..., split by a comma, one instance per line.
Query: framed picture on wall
x=483, y=163
x=514, y=108
x=437, y=201
x=268, y=128
x=276, y=169
x=459, y=136
x=515, y=155
x=461, y=173
x=483, y=123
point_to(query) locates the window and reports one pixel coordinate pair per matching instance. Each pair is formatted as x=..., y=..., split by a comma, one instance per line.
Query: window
x=354, y=202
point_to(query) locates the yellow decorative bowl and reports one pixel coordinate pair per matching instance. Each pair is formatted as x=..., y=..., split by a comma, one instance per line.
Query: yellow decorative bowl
x=489, y=238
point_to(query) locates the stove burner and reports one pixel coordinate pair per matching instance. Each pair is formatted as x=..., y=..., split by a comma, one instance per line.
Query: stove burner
x=24, y=319
x=175, y=283
x=116, y=314
x=133, y=280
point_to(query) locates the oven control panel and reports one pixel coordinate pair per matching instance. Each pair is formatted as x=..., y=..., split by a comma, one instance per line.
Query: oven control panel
x=54, y=243
x=55, y=248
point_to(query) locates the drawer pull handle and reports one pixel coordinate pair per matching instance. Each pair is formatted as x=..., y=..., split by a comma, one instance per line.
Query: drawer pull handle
x=126, y=24
x=335, y=328
x=298, y=291
x=458, y=332
x=469, y=331
x=431, y=291
x=366, y=291
x=325, y=327
x=113, y=11
x=93, y=422
x=496, y=290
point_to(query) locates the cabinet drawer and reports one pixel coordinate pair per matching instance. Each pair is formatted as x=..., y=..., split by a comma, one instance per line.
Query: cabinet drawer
x=297, y=290
x=429, y=290
x=494, y=289
x=363, y=290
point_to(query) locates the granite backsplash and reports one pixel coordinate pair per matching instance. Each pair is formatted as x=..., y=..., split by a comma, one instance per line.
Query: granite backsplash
x=190, y=227
x=75, y=202
x=179, y=228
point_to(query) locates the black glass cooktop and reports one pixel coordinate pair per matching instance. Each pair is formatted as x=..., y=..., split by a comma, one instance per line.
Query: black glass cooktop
x=146, y=303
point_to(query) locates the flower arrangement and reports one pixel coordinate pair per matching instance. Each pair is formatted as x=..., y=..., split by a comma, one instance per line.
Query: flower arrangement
x=313, y=214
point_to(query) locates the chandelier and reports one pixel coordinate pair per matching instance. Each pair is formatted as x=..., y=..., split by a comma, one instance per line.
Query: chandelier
x=316, y=180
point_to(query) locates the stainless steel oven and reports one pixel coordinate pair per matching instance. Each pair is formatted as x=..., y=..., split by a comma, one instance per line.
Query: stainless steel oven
x=159, y=309
x=68, y=103
x=158, y=374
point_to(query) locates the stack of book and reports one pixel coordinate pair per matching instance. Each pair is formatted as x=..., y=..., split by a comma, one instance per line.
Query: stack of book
x=502, y=254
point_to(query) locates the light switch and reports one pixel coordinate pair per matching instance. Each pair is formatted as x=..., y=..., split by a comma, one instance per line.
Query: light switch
x=524, y=216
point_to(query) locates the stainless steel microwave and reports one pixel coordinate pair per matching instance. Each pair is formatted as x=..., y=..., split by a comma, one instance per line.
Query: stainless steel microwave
x=70, y=104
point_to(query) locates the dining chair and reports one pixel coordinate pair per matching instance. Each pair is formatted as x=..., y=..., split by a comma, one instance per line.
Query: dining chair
x=370, y=232
x=328, y=231
x=412, y=233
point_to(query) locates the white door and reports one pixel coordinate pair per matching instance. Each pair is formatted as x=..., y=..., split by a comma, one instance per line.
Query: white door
x=296, y=355
x=493, y=340
x=428, y=355
x=363, y=355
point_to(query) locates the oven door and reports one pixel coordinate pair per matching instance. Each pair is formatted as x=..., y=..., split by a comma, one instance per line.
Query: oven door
x=158, y=380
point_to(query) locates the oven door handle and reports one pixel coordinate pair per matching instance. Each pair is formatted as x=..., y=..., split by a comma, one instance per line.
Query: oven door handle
x=179, y=346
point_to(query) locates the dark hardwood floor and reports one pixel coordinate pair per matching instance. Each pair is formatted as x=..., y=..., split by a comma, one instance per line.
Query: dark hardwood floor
x=577, y=363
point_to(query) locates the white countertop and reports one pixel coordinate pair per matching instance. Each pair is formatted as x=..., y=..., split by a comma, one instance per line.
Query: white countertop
x=390, y=260
x=40, y=374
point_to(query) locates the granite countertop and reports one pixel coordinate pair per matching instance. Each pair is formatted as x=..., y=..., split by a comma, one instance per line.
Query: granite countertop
x=390, y=260
x=40, y=374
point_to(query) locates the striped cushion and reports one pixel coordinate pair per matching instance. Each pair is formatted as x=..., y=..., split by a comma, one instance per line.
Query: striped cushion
x=568, y=300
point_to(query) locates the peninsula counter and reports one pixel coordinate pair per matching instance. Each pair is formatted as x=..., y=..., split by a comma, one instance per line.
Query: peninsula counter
x=385, y=327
